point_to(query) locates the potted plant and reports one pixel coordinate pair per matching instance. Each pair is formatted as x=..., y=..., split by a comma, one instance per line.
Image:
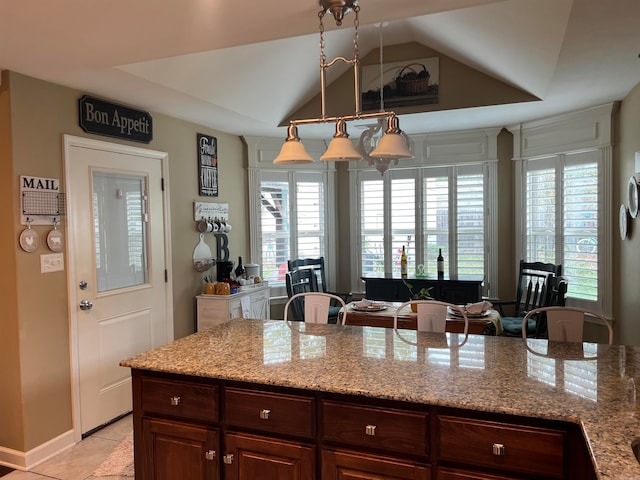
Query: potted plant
x=422, y=294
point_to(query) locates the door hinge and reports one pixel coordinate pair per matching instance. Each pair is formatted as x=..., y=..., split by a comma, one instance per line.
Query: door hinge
x=162, y=184
x=166, y=276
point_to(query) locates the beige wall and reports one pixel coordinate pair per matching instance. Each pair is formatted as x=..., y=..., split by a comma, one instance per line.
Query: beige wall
x=626, y=266
x=34, y=345
x=11, y=433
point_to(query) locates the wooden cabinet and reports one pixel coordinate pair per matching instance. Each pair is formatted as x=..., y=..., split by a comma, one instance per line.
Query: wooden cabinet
x=179, y=450
x=250, y=303
x=251, y=457
x=462, y=290
x=197, y=428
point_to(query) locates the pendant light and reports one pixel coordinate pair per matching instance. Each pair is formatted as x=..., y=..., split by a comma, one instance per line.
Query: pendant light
x=341, y=148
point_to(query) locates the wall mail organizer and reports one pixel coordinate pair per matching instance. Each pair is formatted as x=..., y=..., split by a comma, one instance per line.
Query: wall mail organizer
x=42, y=201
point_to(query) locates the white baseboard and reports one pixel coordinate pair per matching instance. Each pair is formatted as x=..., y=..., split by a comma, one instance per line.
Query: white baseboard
x=27, y=460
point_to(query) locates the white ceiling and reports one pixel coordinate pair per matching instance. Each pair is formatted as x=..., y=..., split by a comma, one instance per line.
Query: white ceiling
x=243, y=71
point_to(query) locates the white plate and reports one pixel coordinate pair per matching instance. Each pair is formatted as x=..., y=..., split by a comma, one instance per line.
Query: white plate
x=455, y=313
x=55, y=241
x=632, y=190
x=623, y=221
x=376, y=307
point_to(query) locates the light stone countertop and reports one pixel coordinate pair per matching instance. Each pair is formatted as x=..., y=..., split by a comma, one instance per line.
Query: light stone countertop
x=591, y=385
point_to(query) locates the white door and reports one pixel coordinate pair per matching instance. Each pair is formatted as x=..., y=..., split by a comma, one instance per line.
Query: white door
x=120, y=297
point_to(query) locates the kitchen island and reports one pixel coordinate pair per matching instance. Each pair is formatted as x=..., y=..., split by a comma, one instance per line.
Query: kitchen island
x=296, y=400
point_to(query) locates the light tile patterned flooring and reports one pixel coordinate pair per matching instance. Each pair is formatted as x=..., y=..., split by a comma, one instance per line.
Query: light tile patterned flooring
x=81, y=460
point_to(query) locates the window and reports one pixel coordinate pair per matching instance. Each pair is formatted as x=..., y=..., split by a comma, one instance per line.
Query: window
x=424, y=209
x=292, y=220
x=562, y=218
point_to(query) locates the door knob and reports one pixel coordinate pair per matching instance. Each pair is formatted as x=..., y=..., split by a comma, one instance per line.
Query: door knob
x=86, y=305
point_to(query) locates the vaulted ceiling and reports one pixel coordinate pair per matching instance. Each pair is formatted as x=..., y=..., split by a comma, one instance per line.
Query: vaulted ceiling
x=244, y=67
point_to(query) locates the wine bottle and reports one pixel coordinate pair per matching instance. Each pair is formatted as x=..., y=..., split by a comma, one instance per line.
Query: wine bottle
x=240, y=268
x=440, y=265
x=403, y=263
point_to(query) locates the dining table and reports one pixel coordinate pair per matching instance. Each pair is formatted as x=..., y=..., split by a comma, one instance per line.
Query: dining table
x=381, y=314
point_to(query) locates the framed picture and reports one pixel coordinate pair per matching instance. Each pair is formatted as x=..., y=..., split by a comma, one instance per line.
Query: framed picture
x=404, y=84
x=207, y=165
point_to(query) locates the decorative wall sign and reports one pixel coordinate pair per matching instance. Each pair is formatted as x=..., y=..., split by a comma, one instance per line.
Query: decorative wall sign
x=207, y=165
x=113, y=120
x=210, y=210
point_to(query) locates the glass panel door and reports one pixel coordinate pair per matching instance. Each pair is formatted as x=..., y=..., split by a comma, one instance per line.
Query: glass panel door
x=120, y=230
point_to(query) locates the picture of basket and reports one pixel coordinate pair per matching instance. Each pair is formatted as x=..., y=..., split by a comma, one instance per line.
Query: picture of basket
x=410, y=81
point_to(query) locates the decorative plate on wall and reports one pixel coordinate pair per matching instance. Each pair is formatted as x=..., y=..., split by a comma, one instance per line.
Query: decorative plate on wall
x=633, y=196
x=623, y=221
x=29, y=240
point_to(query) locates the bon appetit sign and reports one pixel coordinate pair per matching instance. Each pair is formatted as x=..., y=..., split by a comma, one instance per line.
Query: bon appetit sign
x=113, y=120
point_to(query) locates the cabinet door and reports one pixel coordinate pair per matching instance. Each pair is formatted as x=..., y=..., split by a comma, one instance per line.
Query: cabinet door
x=260, y=305
x=250, y=457
x=348, y=465
x=175, y=450
x=235, y=309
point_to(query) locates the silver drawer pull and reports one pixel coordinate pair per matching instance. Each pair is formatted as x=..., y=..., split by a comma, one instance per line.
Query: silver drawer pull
x=228, y=459
x=265, y=414
x=370, y=430
x=175, y=400
x=498, y=449
x=210, y=455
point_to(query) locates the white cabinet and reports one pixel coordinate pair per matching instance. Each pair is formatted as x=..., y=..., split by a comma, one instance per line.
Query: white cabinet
x=251, y=302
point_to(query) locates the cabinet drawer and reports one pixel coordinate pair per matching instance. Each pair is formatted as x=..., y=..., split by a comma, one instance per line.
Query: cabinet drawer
x=533, y=450
x=392, y=430
x=181, y=399
x=270, y=412
x=350, y=465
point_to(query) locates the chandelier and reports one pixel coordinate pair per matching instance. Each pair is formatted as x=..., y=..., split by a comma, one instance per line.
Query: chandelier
x=391, y=146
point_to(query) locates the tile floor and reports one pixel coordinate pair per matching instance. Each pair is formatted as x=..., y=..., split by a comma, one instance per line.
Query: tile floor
x=80, y=461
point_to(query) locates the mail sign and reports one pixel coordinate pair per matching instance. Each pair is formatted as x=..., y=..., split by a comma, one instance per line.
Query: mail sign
x=112, y=120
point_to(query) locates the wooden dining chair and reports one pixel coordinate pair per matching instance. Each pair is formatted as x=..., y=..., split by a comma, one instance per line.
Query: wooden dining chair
x=317, y=266
x=533, y=290
x=432, y=315
x=315, y=307
x=566, y=324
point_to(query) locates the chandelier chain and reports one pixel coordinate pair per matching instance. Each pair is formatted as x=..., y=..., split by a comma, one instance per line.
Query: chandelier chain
x=323, y=57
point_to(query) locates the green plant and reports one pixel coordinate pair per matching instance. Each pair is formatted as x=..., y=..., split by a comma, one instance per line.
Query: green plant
x=423, y=293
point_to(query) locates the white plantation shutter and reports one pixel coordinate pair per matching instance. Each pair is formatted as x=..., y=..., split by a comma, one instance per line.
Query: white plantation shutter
x=276, y=228
x=580, y=226
x=292, y=220
x=471, y=222
x=310, y=218
x=372, y=226
x=562, y=219
x=541, y=213
x=436, y=218
x=424, y=210
x=403, y=223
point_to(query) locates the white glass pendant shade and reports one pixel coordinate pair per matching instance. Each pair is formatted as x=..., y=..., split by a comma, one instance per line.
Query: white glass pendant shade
x=293, y=150
x=393, y=143
x=341, y=148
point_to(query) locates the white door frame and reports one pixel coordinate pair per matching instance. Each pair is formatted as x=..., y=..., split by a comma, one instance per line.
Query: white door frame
x=72, y=281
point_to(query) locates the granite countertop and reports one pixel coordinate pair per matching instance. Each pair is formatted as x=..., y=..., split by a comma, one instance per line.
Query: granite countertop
x=591, y=385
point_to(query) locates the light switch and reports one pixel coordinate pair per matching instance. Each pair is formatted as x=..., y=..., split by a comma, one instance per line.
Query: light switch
x=637, y=162
x=52, y=262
